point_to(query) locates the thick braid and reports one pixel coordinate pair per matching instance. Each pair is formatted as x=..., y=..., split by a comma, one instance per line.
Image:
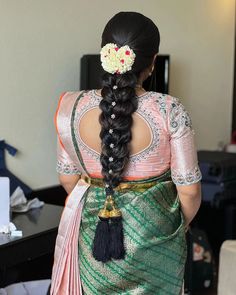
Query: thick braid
x=118, y=104
x=129, y=43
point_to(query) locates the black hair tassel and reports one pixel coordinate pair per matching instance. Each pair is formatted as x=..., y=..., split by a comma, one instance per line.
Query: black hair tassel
x=109, y=238
x=101, y=240
x=117, y=249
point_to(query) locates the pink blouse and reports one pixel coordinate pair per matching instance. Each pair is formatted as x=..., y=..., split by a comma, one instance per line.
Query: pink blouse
x=172, y=144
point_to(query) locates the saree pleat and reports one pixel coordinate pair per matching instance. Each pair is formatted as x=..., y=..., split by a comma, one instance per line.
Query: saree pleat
x=154, y=241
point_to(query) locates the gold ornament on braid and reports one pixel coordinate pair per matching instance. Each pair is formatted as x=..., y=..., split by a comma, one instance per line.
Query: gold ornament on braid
x=109, y=210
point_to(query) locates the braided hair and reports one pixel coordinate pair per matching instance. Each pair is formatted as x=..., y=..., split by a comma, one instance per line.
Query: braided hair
x=142, y=35
x=119, y=102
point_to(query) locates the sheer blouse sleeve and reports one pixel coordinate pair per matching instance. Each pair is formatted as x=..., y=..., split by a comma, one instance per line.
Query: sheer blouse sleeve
x=64, y=163
x=184, y=161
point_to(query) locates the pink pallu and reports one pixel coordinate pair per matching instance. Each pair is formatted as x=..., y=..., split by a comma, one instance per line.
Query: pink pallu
x=65, y=274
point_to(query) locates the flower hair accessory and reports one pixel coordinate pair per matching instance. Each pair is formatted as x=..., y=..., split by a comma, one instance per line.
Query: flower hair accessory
x=117, y=60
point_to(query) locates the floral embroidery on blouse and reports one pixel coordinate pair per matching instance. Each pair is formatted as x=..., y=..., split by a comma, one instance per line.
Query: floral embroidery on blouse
x=161, y=101
x=179, y=116
x=65, y=168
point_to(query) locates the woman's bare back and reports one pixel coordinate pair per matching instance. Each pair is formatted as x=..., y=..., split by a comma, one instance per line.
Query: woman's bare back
x=89, y=129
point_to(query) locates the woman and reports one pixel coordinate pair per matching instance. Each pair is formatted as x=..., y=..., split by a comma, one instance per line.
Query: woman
x=127, y=159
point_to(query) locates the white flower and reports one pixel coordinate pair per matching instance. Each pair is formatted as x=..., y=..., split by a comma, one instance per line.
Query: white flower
x=117, y=60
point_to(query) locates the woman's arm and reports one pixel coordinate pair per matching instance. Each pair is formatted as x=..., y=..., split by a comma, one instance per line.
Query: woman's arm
x=68, y=181
x=190, y=199
x=185, y=170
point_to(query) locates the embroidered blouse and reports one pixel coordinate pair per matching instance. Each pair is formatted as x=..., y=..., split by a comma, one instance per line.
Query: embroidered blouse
x=172, y=143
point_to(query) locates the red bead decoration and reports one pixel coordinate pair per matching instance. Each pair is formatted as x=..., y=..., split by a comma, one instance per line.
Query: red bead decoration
x=122, y=61
x=127, y=52
x=117, y=48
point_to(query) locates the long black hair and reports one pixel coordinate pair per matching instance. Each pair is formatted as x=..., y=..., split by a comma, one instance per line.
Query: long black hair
x=117, y=105
x=142, y=36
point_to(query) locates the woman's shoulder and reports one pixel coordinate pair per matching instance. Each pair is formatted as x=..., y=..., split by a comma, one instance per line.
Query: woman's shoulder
x=69, y=95
x=165, y=102
x=65, y=104
x=68, y=98
x=167, y=98
x=173, y=110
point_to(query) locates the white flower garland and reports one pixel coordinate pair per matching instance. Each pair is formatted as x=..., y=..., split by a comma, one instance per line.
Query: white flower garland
x=117, y=60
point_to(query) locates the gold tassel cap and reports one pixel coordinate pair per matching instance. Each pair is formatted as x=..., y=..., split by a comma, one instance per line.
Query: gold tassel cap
x=104, y=213
x=109, y=210
x=115, y=213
